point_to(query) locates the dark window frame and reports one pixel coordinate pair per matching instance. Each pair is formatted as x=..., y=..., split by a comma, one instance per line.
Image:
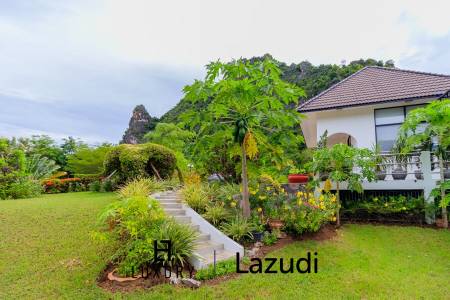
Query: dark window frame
x=395, y=123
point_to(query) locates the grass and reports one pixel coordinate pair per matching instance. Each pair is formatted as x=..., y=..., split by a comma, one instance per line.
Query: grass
x=46, y=252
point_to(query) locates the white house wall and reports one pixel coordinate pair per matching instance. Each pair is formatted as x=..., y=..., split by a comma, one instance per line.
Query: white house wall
x=358, y=122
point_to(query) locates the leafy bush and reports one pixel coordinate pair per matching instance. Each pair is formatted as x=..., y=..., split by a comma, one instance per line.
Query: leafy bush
x=40, y=167
x=195, y=197
x=144, y=160
x=183, y=241
x=238, y=229
x=269, y=238
x=87, y=160
x=134, y=222
x=24, y=188
x=136, y=187
x=95, y=186
x=216, y=214
x=308, y=213
x=53, y=186
x=108, y=185
x=222, y=268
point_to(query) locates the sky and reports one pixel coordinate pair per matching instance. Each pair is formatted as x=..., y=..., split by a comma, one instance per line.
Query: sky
x=78, y=68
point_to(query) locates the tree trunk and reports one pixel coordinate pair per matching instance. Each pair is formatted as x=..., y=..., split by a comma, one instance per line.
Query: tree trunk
x=444, y=208
x=338, y=208
x=245, y=203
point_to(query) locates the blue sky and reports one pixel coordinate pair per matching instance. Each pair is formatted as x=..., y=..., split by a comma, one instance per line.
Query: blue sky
x=79, y=67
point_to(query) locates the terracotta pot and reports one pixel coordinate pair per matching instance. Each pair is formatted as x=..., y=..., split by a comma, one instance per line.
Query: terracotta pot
x=440, y=223
x=276, y=224
x=298, y=178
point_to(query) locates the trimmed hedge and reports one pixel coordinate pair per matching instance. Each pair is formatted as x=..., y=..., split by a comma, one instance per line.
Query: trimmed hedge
x=132, y=161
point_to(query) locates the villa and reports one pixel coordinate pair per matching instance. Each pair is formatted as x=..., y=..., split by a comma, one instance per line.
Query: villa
x=367, y=109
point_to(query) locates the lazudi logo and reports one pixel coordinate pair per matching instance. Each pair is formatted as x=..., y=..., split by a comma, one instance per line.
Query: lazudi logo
x=301, y=265
x=158, y=264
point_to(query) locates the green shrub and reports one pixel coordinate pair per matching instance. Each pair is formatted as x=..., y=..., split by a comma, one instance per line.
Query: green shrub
x=144, y=160
x=269, y=238
x=136, y=187
x=24, y=188
x=238, y=229
x=222, y=268
x=195, y=197
x=108, y=185
x=183, y=241
x=216, y=214
x=95, y=186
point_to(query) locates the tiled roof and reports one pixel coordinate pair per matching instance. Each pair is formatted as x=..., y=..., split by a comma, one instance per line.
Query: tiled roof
x=377, y=85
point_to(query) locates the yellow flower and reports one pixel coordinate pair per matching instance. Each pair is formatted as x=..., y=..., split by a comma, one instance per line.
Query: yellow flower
x=334, y=219
x=262, y=197
x=299, y=194
x=268, y=188
x=233, y=204
x=321, y=198
x=259, y=209
x=299, y=202
x=252, y=192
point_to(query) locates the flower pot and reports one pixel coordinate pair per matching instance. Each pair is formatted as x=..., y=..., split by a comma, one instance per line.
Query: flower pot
x=257, y=235
x=381, y=175
x=440, y=223
x=276, y=224
x=418, y=174
x=399, y=173
x=298, y=178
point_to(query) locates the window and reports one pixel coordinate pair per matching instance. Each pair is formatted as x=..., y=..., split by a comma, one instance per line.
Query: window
x=387, y=123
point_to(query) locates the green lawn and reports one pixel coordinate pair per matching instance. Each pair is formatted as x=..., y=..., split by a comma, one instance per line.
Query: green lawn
x=46, y=253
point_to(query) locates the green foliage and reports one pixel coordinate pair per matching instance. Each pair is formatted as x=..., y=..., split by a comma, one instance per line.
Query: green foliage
x=242, y=97
x=169, y=135
x=145, y=160
x=195, y=197
x=88, y=160
x=24, y=188
x=95, y=186
x=140, y=187
x=238, y=229
x=222, y=268
x=388, y=205
x=39, y=167
x=340, y=160
x=216, y=214
x=183, y=240
x=423, y=126
x=269, y=238
x=136, y=221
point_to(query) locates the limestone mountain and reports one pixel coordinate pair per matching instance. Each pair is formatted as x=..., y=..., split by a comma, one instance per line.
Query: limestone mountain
x=140, y=123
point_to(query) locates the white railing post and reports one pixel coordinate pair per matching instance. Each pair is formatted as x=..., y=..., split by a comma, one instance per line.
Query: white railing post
x=428, y=183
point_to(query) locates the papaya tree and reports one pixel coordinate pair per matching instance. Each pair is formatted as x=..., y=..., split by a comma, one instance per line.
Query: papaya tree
x=249, y=111
x=425, y=126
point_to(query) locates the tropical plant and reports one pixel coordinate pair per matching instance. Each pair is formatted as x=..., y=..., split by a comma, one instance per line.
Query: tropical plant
x=138, y=187
x=341, y=161
x=87, y=160
x=269, y=238
x=195, y=197
x=250, y=113
x=421, y=127
x=238, y=229
x=216, y=214
x=39, y=167
x=183, y=239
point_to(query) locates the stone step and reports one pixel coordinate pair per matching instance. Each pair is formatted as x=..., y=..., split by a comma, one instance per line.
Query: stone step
x=207, y=248
x=175, y=212
x=220, y=255
x=165, y=201
x=171, y=205
x=182, y=219
x=203, y=237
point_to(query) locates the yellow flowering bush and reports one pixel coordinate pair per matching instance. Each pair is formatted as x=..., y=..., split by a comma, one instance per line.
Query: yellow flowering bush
x=308, y=212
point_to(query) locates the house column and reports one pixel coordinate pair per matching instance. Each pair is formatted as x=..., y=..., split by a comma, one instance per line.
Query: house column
x=428, y=184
